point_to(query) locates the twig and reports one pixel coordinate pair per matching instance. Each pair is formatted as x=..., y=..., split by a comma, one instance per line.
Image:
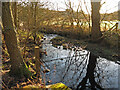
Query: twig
x=5, y=85
x=63, y=58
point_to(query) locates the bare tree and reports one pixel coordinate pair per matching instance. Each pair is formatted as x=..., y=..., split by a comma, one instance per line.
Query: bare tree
x=96, y=32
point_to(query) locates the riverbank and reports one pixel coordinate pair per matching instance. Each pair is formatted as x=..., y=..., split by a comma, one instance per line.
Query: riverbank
x=104, y=51
x=33, y=82
x=108, y=48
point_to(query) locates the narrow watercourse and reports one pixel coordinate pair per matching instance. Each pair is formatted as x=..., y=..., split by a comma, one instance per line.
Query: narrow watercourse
x=78, y=68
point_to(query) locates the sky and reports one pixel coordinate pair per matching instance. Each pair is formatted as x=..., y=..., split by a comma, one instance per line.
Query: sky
x=108, y=7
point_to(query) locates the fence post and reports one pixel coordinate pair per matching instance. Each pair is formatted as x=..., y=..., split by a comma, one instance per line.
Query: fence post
x=37, y=60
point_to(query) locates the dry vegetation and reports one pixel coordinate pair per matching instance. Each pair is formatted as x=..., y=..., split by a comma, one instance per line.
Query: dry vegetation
x=25, y=28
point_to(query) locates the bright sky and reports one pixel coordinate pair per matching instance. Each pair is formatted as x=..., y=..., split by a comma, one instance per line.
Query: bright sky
x=109, y=6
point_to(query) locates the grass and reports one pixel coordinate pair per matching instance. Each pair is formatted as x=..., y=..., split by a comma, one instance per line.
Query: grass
x=79, y=36
x=67, y=31
x=100, y=49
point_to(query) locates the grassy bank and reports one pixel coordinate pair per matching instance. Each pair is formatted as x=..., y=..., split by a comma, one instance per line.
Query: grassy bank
x=66, y=31
x=100, y=49
x=80, y=36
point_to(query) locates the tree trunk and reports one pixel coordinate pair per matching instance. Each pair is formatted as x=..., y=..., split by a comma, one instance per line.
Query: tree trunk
x=35, y=15
x=14, y=9
x=95, y=33
x=18, y=68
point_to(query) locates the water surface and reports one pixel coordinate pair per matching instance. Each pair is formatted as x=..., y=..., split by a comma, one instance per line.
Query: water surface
x=69, y=66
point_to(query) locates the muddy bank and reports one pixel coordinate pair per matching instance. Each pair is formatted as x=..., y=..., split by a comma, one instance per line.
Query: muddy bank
x=100, y=49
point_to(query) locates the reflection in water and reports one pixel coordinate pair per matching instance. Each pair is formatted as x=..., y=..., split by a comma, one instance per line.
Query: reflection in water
x=90, y=74
x=78, y=68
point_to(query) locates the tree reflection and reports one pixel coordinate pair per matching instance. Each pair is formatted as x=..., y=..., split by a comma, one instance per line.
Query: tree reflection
x=90, y=74
x=80, y=69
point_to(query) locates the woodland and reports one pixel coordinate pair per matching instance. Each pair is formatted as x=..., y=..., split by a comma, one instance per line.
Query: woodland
x=44, y=48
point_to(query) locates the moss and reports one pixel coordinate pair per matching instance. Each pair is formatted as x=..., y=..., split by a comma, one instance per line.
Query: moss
x=26, y=72
x=21, y=72
x=59, y=86
x=32, y=87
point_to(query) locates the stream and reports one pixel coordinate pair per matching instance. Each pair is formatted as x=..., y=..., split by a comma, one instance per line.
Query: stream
x=70, y=66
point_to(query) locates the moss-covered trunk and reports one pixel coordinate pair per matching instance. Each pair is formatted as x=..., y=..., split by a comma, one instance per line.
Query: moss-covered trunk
x=18, y=68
